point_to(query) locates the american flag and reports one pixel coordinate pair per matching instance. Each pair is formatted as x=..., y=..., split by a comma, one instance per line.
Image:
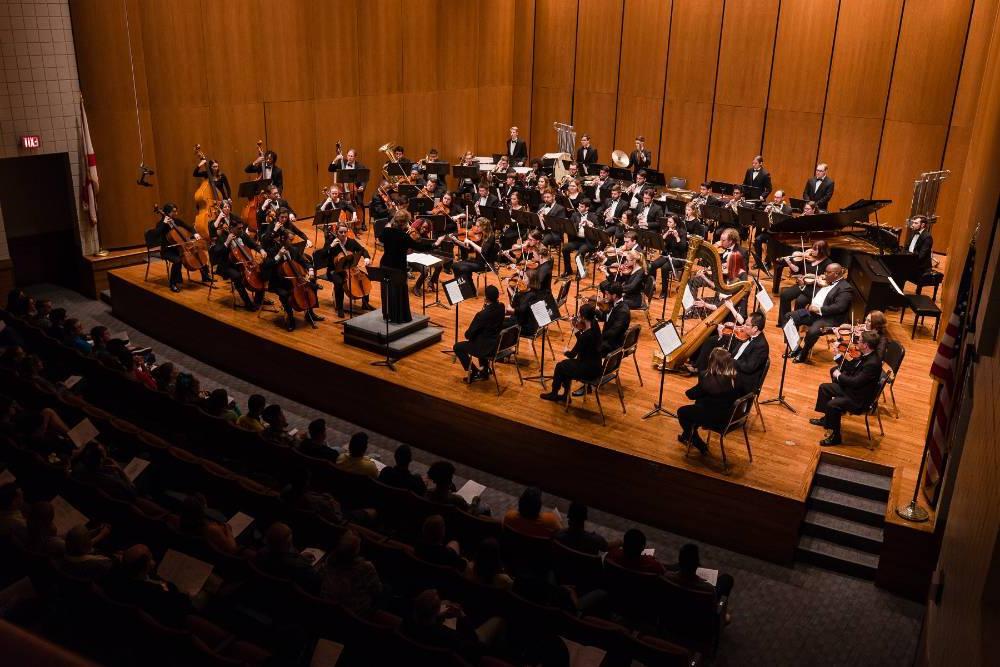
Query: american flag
x=945, y=369
x=90, y=185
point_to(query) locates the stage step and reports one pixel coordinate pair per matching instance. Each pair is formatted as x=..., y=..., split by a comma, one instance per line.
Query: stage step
x=839, y=558
x=856, y=482
x=105, y=296
x=843, y=527
x=400, y=347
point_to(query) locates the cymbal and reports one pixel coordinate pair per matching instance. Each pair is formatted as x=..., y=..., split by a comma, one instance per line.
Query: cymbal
x=620, y=159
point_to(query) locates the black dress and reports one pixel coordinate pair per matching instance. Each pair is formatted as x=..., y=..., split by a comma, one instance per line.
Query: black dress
x=395, y=300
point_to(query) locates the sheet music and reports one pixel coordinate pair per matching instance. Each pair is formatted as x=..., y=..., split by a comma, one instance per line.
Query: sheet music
x=316, y=554
x=71, y=381
x=83, y=433
x=423, y=259
x=667, y=338
x=135, y=468
x=66, y=516
x=584, y=656
x=711, y=576
x=188, y=574
x=378, y=465
x=470, y=490
x=239, y=522
x=454, y=292
x=764, y=302
x=541, y=313
x=791, y=330
x=687, y=299
x=649, y=552
x=895, y=286
x=581, y=270
x=326, y=653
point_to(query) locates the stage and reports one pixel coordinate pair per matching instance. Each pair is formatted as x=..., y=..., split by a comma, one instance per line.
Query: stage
x=632, y=467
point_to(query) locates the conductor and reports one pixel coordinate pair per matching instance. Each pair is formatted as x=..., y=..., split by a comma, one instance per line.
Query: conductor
x=395, y=243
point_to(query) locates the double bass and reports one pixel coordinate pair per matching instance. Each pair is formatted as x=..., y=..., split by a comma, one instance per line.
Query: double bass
x=194, y=254
x=207, y=197
x=253, y=205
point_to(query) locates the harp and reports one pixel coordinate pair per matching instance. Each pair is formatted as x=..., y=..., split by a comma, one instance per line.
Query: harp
x=698, y=248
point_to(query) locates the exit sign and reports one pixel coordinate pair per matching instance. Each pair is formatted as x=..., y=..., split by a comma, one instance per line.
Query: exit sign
x=31, y=141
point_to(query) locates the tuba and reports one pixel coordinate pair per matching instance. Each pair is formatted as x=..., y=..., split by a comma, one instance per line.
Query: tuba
x=738, y=290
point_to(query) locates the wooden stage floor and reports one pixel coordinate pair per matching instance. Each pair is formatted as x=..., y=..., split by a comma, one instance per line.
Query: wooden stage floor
x=631, y=466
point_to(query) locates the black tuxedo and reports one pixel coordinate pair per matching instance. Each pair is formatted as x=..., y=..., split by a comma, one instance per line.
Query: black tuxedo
x=504, y=192
x=589, y=158
x=637, y=164
x=491, y=201
x=653, y=215
x=602, y=191
x=619, y=208
x=836, y=310
x=482, y=335
x=822, y=196
x=338, y=165
x=263, y=209
x=517, y=153
x=277, y=177
x=925, y=243
x=750, y=365
x=763, y=180
x=852, y=391
x=616, y=324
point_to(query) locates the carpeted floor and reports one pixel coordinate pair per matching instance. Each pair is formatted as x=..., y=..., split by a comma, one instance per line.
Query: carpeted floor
x=781, y=616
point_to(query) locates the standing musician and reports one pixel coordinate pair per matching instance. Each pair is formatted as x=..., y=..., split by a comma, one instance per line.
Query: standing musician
x=603, y=185
x=267, y=166
x=635, y=190
x=220, y=181
x=641, y=157
x=854, y=387
x=584, y=359
x=806, y=268
x=586, y=154
x=827, y=306
x=550, y=208
x=395, y=242
x=282, y=251
x=675, y=245
x=648, y=213
x=819, y=188
x=350, y=161
x=338, y=244
x=758, y=177
x=381, y=205
x=235, y=234
x=481, y=336
x=777, y=205
x=921, y=244
x=516, y=149
x=172, y=253
x=582, y=218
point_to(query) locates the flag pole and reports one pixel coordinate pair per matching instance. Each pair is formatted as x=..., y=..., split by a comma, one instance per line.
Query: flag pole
x=912, y=511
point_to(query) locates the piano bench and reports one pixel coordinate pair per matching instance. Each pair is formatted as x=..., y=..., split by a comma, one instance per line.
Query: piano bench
x=930, y=279
x=922, y=306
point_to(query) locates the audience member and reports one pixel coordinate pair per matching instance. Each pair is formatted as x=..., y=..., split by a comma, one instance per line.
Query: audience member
x=433, y=548
x=349, y=579
x=279, y=558
x=399, y=475
x=164, y=375
x=313, y=443
x=441, y=474
x=79, y=559
x=193, y=522
x=355, y=461
x=300, y=494
x=685, y=573
x=529, y=519
x=276, y=426
x=40, y=534
x=487, y=568
x=57, y=322
x=426, y=625
x=252, y=420
x=186, y=388
x=576, y=536
x=94, y=466
x=12, y=520
x=136, y=583
x=629, y=555
x=218, y=405
x=75, y=338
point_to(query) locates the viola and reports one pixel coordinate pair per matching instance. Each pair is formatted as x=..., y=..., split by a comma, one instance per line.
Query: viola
x=737, y=331
x=194, y=254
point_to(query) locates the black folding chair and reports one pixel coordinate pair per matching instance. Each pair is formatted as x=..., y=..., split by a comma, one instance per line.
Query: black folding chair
x=609, y=373
x=506, y=351
x=737, y=420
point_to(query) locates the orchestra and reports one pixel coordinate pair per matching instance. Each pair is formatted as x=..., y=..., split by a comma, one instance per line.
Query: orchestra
x=505, y=219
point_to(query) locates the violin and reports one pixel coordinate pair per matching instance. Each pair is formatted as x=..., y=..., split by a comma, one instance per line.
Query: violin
x=420, y=229
x=303, y=296
x=737, y=331
x=194, y=254
x=799, y=256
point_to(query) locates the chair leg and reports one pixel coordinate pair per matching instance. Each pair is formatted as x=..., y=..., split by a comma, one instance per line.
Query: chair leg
x=868, y=427
x=534, y=351
x=760, y=414
x=493, y=369
x=746, y=439
x=569, y=394
x=637, y=371
x=722, y=448
x=621, y=394
x=878, y=415
x=597, y=395
x=548, y=341
x=517, y=367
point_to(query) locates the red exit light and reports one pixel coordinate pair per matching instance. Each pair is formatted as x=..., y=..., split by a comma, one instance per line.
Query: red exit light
x=31, y=141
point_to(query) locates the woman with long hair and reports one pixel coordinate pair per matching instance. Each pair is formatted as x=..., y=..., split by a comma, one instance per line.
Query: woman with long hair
x=717, y=390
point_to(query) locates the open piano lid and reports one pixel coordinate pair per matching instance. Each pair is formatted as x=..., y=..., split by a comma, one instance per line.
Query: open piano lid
x=828, y=222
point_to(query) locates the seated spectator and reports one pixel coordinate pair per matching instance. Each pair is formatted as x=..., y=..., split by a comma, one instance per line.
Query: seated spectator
x=186, y=388
x=314, y=444
x=425, y=625
x=57, y=323
x=300, y=495
x=100, y=336
x=12, y=521
x=131, y=367
x=18, y=302
x=350, y=579
x=276, y=430
x=399, y=475
x=442, y=474
x=218, y=405
x=74, y=336
x=529, y=519
x=164, y=376
x=42, y=431
x=252, y=420
x=10, y=360
x=94, y=466
x=486, y=567
x=576, y=536
x=685, y=573
x=79, y=559
x=355, y=461
x=193, y=522
x=136, y=583
x=280, y=558
x=433, y=548
x=629, y=555
x=43, y=308
x=40, y=532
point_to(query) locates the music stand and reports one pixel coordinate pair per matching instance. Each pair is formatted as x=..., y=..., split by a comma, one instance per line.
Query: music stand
x=462, y=172
x=420, y=205
x=668, y=340
x=655, y=178
x=323, y=219
x=620, y=174
x=526, y=220
x=250, y=189
x=392, y=281
x=792, y=339
x=543, y=318
x=457, y=291
x=439, y=168
x=397, y=169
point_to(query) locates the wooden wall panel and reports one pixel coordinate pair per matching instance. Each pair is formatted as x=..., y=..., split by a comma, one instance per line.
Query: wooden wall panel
x=552, y=74
x=548, y=105
x=694, y=50
x=174, y=41
x=790, y=147
x=492, y=121
x=849, y=146
x=285, y=65
x=595, y=94
x=863, y=57
x=335, y=55
x=523, y=55
x=235, y=129
x=459, y=122
x=645, y=29
x=594, y=114
x=495, y=40
x=380, y=34
x=745, y=53
x=735, y=140
x=336, y=120
x=685, y=139
x=233, y=68
x=291, y=131
x=928, y=59
x=802, y=55
x=424, y=46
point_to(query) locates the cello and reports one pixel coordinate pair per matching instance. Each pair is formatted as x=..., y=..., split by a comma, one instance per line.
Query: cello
x=253, y=204
x=302, y=295
x=194, y=254
x=240, y=254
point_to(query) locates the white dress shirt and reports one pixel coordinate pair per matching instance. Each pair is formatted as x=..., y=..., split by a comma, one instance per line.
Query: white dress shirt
x=820, y=298
x=913, y=241
x=743, y=347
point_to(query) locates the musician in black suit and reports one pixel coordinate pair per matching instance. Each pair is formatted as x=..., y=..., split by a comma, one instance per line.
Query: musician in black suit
x=648, y=213
x=516, y=149
x=635, y=191
x=282, y=251
x=641, y=157
x=921, y=244
x=617, y=318
x=829, y=306
x=777, y=205
x=273, y=201
x=615, y=206
x=584, y=360
x=853, y=388
x=226, y=218
x=484, y=198
x=819, y=188
x=586, y=154
x=269, y=234
x=482, y=335
x=338, y=244
x=603, y=185
x=758, y=177
x=267, y=166
x=350, y=161
x=171, y=253
x=220, y=182
x=706, y=196
x=507, y=188
x=550, y=208
x=717, y=391
x=804, y=271
x=231, y=268
x=673, y=254
x=750, y=356
x=578, y=242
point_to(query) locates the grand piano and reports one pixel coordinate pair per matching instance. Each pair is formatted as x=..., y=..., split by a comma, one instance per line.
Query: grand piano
x=870, y=252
